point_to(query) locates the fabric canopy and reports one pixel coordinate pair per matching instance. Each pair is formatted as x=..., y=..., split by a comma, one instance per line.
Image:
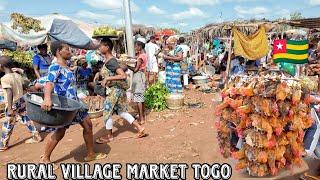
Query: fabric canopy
x=165, y=32
x=56, y=27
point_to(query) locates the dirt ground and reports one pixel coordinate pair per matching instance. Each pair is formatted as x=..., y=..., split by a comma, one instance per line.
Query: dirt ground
x=186, y=136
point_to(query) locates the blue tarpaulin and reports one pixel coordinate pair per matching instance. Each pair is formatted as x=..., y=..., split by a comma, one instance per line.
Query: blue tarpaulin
x=56, y=27
x=68, y=32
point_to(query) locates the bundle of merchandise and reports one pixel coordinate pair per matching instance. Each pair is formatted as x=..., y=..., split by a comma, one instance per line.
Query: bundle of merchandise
x=269, y=114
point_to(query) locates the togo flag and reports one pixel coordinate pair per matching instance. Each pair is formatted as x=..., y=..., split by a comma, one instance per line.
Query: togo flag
x=290, y=51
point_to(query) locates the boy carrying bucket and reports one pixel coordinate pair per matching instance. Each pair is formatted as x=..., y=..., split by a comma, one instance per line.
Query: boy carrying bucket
x=12, y=83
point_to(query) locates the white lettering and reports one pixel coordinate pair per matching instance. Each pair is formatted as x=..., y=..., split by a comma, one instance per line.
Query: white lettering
x=153, y=171
x=183, y=168
x=106, y=171
x=65, y=168
x=78, y=171
x=205, y=171
x=11, y=171
x=31, y=174
x=173, y=171
x=215, y=171
x=144, y=172
x=116, y=171
x=226, y=171
x=87, y=171
x=97, y=172
x=164, y=174
x=42, y=171
x=196, y=168
x=132, y=171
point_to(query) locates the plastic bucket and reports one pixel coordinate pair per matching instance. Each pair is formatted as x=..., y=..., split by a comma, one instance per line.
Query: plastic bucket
x=62, y=114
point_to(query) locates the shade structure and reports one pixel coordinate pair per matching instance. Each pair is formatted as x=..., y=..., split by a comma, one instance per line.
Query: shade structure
x=56, y=27
x=165, y=32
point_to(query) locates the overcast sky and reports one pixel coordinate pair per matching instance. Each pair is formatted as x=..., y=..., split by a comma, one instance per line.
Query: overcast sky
x=182, y=14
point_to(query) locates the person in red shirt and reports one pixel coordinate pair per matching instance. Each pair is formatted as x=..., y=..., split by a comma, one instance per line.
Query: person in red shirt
x=139, y=79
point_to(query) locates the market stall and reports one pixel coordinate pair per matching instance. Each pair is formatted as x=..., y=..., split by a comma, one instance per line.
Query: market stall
x=51, y=27
x=262, y=120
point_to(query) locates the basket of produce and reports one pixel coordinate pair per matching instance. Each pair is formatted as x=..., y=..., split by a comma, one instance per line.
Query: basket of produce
x=175, y=101
x=105, y=31
x=95, y=104
x=63, y=111
x=200, y=80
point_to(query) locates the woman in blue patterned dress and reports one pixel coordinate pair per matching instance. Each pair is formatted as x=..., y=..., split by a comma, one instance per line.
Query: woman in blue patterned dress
x=60, y=80
x=173, y=68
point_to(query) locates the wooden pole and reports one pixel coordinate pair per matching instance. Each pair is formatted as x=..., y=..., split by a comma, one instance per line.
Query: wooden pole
x=229, y=58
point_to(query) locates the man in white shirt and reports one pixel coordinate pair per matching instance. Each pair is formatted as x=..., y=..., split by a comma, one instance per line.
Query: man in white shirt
x=185, y=64
x=152, y=50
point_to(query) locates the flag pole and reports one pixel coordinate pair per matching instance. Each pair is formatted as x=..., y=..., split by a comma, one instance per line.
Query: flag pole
x=129, y=33
x=229, y=58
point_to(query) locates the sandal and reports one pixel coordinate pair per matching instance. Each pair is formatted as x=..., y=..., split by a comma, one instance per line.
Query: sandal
x=141, y=134
x=97, y=156
x=4, y=149
x=102, y=140
x=32, y=141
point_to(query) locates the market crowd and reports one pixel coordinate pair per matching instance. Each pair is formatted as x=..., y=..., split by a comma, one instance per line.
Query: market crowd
x=78, y=74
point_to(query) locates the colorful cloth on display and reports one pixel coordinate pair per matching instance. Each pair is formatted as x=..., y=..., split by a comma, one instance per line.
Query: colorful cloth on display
x=290, y=51
x=251, y=47
x=173, y=74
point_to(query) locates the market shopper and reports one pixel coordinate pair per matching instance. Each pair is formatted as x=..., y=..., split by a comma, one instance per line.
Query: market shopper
x=173, y=67
x=61, y=81
x=82, y=74
x=139, y=80
x=185, y=64
x=41, y=61
x=152, y=49
x=12, y=83
x=114, y=79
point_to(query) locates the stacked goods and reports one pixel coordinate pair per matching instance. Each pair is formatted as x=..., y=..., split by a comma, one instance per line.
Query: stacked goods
x=25, y=24
x=22, y=58
x=270, y=115
x=95, y=103
x=313, y=69
x=106, y=31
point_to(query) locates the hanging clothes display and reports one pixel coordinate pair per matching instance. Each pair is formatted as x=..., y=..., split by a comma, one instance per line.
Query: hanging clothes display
x=252, y=47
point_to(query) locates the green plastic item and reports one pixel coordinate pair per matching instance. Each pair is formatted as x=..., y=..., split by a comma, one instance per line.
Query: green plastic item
x=288, y=68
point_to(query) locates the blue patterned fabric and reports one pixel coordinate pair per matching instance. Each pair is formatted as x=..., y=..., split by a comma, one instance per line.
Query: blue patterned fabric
x=173, y=74
x=8, y=125
x=63, y=80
